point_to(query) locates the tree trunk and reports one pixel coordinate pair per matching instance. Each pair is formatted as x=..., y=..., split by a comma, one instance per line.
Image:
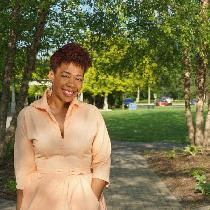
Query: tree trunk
x=138, y=95
x=149, y=95
x=123, y=98
x=9, y=66
x=188, y=113
x=200, y=84
x=13, y=101
x=28, y=69
x=207, y=124
x=81, y=96
x=205, y=51
x=94, y=100
x=105, y=107
x=201, y=79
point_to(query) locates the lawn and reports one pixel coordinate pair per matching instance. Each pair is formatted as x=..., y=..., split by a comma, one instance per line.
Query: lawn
x=173, y=166
x=147, y=125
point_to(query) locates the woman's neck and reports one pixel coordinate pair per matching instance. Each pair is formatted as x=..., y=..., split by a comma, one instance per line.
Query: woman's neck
x=56, y=104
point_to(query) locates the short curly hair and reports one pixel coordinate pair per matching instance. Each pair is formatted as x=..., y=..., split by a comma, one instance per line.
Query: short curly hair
x=71, y=53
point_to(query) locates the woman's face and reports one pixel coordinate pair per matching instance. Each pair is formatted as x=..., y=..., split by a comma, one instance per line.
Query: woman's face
x=67, y=81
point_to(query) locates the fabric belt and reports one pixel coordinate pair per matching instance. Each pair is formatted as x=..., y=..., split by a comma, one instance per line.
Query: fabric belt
x=71, y=171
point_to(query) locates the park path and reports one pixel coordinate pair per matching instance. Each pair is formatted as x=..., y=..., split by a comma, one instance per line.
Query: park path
x=133, y=185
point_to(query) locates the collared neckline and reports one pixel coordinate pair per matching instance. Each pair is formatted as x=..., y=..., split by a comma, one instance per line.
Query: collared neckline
x=43, y=104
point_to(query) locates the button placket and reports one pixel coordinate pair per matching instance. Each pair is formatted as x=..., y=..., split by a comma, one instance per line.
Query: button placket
x=74, y=171
x=39, y=175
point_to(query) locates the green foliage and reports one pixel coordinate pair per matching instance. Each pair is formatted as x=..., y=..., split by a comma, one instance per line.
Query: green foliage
x=114, y=70
x=193, y=150
x=11, y=185
x=137, y=43
x=98, y=83
x=201, y=182
x=36, y=90
x=204, y=188
x=171, y=154
x=197, y=172
x=10, y=152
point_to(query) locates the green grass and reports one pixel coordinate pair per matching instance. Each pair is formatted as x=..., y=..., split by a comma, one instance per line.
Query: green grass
x=165, y=124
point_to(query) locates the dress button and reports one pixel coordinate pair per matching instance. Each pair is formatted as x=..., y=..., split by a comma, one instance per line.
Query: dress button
x=74, y=172
x=39, y=175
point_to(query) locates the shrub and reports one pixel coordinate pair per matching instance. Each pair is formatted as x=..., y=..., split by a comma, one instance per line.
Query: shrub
x=197, y=172
x=11, y=185
x=171, y=154
x=201, y=182
x=193, y=150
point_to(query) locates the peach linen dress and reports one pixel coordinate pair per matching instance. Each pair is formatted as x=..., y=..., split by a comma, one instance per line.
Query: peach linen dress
x=55, y=173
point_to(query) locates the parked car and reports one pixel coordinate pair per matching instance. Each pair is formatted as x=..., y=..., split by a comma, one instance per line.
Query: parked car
x=127, y=101
x=193, y=101
x=168, y=99
x=163, y=102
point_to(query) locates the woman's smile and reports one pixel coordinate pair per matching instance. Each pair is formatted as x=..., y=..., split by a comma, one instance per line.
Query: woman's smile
x=68, y=93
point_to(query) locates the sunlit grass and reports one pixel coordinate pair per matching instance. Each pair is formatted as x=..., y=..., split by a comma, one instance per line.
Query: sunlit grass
x=160, y=124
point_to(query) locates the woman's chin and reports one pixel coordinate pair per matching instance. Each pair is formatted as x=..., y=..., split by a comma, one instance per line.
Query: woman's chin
x=68, y=99
x=65, y=98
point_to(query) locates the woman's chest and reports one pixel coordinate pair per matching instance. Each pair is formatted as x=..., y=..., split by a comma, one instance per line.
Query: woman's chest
x=78, y=130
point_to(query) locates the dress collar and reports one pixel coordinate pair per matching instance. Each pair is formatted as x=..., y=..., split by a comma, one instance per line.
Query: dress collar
x=43, y=104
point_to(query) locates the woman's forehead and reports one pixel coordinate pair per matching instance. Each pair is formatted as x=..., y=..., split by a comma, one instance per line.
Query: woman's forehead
x=70, y=68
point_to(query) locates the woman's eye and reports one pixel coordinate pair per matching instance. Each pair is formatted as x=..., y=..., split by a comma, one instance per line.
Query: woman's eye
x=65, y=76
x=79, y=79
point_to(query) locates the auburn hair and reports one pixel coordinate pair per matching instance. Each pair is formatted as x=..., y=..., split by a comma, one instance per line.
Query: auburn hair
x=71, y=53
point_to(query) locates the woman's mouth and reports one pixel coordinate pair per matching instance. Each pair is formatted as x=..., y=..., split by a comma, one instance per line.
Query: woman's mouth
x=68, y=93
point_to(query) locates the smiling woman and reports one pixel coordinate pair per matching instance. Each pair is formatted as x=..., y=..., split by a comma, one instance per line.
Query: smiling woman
x=67, y=81
x=62, y=147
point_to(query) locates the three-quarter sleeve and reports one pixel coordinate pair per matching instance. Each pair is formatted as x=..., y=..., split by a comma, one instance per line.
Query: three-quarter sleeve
x=24, y=160
x=101, y=151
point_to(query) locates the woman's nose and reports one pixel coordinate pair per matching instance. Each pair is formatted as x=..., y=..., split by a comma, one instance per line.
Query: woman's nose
x=71, y=82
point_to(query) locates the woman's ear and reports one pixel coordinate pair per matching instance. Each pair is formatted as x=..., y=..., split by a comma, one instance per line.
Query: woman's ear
x=51, y=75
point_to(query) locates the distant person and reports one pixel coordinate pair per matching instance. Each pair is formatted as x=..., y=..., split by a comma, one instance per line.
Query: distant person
x=62, y=147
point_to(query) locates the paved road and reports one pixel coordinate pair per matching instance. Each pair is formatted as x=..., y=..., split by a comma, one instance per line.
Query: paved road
x=133, y=185
x=7, y=205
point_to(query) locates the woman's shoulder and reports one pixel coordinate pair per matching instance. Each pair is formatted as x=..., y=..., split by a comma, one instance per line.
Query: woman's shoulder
x=89, y=107
x=26, y=111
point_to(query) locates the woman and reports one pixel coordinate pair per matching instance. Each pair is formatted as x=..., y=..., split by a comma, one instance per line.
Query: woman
x=62, y=148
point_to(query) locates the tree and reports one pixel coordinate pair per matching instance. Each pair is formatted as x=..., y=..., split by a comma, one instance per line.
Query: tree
x=8, y=68
x=32, y=51
x=187, y=24
x=202, y=136
x=91, y=83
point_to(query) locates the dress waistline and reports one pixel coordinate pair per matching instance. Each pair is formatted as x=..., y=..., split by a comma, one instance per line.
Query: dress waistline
x=68, y=171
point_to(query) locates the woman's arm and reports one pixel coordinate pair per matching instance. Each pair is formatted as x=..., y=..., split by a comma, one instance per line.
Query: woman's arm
x=101, y=157
x=19, y=199
x=24, y=158
x=97, y=186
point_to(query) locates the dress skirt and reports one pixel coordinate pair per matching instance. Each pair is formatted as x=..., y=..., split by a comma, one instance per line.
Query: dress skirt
x=60, y=191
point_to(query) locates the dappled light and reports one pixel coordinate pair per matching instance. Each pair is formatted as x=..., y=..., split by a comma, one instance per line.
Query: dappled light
x=139, y=69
